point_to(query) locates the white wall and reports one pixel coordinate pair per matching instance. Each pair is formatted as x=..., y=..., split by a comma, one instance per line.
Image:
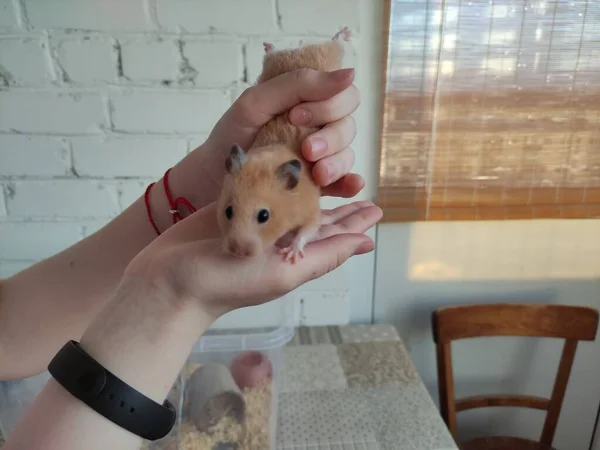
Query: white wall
x=423, y=266
x=98, y=98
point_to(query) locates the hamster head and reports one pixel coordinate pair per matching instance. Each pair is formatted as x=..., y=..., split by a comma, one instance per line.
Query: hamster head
x=251, y=206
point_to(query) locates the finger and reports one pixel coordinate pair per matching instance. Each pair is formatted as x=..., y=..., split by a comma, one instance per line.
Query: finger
x=330, y=139
x=329, y=216
x=359, y=221
x=356, y=217
x=346, y=187
x=364, y=248
x=260, y=103
x=324, y=256
x=319, y=113
x=331, y=168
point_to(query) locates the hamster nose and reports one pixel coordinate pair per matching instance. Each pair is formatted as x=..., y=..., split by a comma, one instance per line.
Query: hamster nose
x=233, y=246
x=241, y=248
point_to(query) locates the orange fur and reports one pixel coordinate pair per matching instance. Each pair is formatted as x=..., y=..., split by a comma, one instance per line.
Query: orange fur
x=326, y=56
x=256, y=185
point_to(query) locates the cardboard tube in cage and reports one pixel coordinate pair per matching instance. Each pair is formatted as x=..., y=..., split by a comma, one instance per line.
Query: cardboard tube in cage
x=211, y=394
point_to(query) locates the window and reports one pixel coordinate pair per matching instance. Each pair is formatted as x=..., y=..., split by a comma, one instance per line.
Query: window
x=491, y=110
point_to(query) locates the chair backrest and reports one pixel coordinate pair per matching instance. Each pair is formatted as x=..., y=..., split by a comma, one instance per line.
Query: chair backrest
x=572, y=323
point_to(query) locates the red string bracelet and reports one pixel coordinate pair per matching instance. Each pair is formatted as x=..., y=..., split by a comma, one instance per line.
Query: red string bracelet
x=147, y=202
x=173, y=203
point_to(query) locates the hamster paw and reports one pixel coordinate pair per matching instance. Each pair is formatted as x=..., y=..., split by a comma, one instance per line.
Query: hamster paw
x=344, y=34
x=295, y=251
x=292, y=253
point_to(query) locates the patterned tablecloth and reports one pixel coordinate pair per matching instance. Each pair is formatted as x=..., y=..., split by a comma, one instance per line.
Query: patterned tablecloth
x=355, y=387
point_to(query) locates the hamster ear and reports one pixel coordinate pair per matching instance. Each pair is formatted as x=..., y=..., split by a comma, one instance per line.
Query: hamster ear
x=268, y=47
x=236, y=159
x=289, y=173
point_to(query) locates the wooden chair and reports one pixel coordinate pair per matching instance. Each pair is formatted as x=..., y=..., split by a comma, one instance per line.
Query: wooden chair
x=571, y=323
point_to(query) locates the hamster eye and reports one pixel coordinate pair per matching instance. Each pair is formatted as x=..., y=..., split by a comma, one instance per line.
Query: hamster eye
x=263, y=216
x=229, y=212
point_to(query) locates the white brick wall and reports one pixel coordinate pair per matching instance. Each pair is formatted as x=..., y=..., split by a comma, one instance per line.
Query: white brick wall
x=97, y=98
x=8, y=17
x=98, y=52
x=25, y=61
x=33, y=156
x=318, y=16
x=139, y=60
x=202, y=16
x=130, y=191
x=167, y=112
x=106, y=15
x=126, y=157
x=2, y=205
x=55, y=199
x=51, y=112
x=226, y=62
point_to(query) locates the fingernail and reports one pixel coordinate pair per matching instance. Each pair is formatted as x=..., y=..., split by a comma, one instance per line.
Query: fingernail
x=330, y=173
x=300, y=116
x=318, y=146
x=341, y=74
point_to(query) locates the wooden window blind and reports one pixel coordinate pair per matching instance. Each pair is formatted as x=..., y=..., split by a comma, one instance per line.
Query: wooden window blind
x=491, y=110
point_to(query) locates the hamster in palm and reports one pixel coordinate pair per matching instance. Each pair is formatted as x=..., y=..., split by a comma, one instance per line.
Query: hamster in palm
x=268, y=192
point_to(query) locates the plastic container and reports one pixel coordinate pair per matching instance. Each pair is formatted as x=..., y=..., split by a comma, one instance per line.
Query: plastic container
x=269, y=329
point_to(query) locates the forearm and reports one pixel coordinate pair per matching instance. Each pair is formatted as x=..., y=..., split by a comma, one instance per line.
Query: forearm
x=59, y=296
x=140, y=336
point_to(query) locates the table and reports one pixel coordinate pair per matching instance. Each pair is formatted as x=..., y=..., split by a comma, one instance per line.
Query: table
x=354, y=388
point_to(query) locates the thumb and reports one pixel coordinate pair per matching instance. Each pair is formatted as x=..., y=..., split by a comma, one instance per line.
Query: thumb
x=326, y=255
x=279, y=94
x=260, y=103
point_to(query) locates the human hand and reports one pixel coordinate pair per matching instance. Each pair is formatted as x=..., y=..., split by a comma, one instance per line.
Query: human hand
x=315, y=99
x=188, y=263
x=318, y=99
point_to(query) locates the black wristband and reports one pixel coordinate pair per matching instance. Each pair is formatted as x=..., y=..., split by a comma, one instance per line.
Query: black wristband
x=105, y=393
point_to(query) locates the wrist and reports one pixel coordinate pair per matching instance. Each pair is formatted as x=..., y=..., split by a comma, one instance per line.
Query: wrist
x=197, y=178
x=199, y=175
x=144, y=337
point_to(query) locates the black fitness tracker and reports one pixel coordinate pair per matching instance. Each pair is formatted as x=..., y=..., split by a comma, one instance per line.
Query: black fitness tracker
x=105, y=393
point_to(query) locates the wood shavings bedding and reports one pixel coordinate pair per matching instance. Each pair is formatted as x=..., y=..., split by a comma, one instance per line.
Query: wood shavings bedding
x=227, y=434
